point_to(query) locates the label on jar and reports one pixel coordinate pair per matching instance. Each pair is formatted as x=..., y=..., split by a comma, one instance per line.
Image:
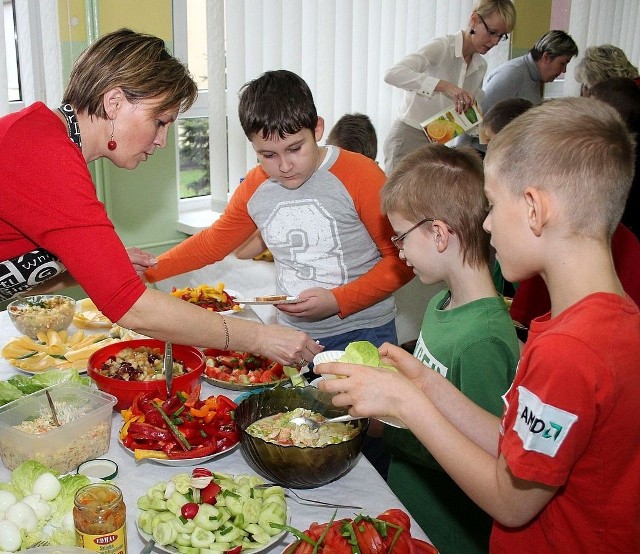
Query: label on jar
x=110, y=543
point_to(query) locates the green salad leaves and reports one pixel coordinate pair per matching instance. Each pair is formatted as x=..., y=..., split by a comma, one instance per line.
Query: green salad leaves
x=17, y=386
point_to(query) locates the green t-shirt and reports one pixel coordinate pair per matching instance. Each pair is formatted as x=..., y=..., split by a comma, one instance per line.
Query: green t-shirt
x=475, y=347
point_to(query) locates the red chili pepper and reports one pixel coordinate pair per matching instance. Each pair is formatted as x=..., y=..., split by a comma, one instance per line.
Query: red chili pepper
x=189, y=510
x=235, y=550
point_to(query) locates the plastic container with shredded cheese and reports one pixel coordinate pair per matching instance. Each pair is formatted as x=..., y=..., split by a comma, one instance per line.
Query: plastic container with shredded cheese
x=27, y=433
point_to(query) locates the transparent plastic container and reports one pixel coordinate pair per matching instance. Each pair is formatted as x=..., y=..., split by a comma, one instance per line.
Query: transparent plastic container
x=85, y=415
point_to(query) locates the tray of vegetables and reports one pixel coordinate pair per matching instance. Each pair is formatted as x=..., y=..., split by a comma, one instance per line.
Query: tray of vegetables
x=387, y=533
x=212, y=512
x=233, y=370
x=181, y=430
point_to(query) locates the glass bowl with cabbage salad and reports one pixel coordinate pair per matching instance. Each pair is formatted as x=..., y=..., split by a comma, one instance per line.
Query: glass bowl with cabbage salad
x=278, y=429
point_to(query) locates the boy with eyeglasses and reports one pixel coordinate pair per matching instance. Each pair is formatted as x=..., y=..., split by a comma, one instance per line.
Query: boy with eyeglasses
x=560, y=470
x=436, y=204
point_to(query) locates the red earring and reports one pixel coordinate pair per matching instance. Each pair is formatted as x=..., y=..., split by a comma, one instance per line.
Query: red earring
x=112, y=144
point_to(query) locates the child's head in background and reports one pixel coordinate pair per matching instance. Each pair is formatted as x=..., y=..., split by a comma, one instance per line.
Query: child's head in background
x=501, y=114
x=356, y=133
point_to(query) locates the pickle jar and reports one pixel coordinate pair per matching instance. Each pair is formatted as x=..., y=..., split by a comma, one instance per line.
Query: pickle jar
x=99, y=515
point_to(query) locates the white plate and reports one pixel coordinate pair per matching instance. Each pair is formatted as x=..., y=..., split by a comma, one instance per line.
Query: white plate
x=328, y=356
x=255, y=301
x=182, y=463
x=172, y=550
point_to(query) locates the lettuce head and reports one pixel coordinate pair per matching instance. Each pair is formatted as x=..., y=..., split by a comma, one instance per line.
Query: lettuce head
x=364, y=353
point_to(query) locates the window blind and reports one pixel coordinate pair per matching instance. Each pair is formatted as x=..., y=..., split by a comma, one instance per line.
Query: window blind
x=342, y=48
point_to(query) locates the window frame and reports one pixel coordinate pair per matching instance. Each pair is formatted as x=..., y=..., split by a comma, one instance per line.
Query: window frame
x=38, y=55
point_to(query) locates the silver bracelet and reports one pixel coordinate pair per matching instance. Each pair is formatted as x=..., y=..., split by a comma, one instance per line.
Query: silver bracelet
x=226, y=333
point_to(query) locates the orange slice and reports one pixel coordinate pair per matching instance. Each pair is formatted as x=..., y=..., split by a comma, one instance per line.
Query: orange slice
x=439, y=131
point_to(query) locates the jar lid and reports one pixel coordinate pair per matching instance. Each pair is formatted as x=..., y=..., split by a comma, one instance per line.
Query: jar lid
x=100, y=468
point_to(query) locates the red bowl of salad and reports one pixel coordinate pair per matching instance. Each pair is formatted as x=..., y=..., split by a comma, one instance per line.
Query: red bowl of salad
x=125, y=369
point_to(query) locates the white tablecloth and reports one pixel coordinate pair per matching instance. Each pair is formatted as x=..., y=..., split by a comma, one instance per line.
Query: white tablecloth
x=362, y=486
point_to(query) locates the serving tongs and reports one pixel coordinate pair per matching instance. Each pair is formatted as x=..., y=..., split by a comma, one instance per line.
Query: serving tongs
x=54, y=414
x=167, y=366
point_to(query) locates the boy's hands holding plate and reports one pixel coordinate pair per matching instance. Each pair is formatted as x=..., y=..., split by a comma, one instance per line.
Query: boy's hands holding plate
x=363, y=383
x=313, y=303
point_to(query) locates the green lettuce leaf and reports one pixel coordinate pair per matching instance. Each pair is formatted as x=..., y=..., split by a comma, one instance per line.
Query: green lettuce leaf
x=46, y=379
x=365, y=353
x=361, y=352
x=8, y=392
x=23, y=476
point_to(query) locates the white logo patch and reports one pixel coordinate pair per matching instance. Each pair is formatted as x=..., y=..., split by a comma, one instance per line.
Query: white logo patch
x=541, y=427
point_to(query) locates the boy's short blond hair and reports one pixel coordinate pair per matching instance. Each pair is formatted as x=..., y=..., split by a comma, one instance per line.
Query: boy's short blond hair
x=579, y=149
x=447, y=184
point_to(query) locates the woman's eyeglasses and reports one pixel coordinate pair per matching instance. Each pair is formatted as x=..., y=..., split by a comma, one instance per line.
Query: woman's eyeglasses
x=501, y=36
x=398, y=240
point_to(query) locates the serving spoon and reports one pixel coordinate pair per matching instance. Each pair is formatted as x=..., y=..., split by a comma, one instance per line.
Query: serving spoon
x=315, y=425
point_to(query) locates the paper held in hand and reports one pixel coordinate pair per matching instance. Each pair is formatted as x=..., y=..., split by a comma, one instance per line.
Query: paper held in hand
x=448, y=124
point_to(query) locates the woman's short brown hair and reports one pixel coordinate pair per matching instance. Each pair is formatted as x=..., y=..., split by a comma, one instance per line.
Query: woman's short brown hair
x=138, y=63
x=447, y=184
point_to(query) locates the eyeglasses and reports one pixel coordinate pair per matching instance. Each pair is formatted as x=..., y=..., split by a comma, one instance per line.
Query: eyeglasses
x=398, y=240
x=501, y=36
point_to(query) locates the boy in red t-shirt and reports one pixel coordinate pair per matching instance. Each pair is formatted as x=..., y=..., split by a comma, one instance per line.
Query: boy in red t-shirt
x=560, y=472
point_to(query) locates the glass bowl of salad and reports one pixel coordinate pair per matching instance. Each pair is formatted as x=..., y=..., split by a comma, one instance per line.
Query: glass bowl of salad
x=296, y=465
x=41, y=313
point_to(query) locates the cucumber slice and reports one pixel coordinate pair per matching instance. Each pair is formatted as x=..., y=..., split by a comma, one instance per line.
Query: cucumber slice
x=158, y=504
x=234, y=505
x=201, y=538
x=272, y=512
x=186, y=527
x=251, y=510
x=184, y=539
x=273, y=491
x=162, y=517
x=208, y=517
x=228, y=533
x=145, y=519
x=144, y=503
x=164, y=533
x=187, y=550
x=216, y=548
